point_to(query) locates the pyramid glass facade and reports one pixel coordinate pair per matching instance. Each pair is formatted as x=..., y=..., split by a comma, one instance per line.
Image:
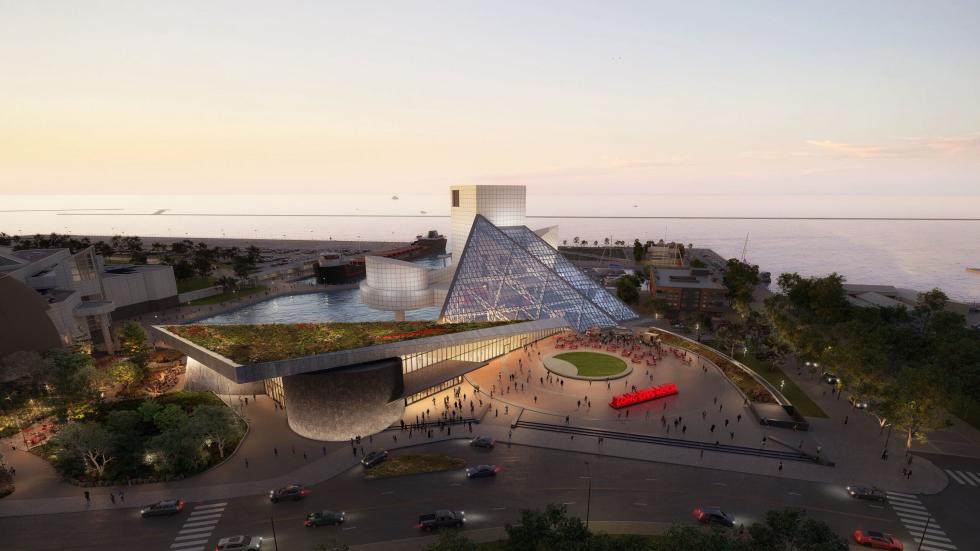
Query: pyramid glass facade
x=512, y=274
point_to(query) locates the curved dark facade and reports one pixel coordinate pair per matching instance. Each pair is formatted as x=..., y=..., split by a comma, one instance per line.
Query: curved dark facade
x=342, y=403
x=24, y=320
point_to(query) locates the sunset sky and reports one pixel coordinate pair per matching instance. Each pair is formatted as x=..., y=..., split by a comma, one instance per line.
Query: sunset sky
x=861, y=97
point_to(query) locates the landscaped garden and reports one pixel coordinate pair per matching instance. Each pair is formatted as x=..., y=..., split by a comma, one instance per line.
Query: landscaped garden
x=246, y=344
x=745, y=382
x=793, y=393
x=167, y=437
x=591, y=364
x=414, y=464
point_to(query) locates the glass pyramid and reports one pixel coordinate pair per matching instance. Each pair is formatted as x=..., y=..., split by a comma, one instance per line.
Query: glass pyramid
x=512, y=274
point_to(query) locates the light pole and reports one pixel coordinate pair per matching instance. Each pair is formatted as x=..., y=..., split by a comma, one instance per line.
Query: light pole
x=923, y=535
x=275, y=542
x=588, y=495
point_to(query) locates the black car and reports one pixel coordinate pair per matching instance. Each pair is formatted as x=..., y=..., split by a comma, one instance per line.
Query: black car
x=324, y=518
x=830, y=378
x=374, y=458
x=709, y=515
x=483, y=442
x=482, y=471
x=866, y=492
x=294, y=492
x=163, y=508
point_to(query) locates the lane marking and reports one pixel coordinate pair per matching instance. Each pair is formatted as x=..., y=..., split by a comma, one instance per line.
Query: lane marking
x=192, y=537
x=968, y=476
x=218, y=512
x=902, y=494
x=210, y=505
x=348, y=527
x=955, y=476
x=568, y=503
x=499, y=508
x=195, y=530
x=189, y=544
x=795, y=494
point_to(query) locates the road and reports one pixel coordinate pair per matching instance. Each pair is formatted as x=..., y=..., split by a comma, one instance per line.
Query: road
x=378, y=510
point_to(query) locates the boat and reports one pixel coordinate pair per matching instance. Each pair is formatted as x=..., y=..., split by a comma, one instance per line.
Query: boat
x=973, y=270
x=335, y=268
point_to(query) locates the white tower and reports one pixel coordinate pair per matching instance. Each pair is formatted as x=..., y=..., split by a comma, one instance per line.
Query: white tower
x=501, y=205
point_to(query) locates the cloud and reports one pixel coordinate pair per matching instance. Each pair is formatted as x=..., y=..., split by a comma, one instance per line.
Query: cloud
x=906, y=147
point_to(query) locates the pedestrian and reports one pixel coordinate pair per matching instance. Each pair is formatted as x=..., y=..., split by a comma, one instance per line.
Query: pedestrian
x=88, y=498
x=246, y=462
x=702, y=453
x=739, y=418
x=304, y=456
x=112, y=498
x=732, y=435
x=712, y=429
x=884, y=455
x=780, y=466
x=324, y=450
x=845, y=419
x=246, y=400
x=275, y=452
x=908, y=474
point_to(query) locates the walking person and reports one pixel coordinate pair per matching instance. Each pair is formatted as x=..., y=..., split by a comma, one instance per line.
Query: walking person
x=112, y=498
x=88, y=497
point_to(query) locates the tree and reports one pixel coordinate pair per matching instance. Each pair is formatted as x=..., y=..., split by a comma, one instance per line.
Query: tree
x=548, y=529
x=183, y=269
x=71, y=375
x=698, y=263
x=203, y=266
x=740, y=278
x=639, y=251
x=242, y=265
x=90, y=442
x=217, y=424
x=227, y=283
x=170, y=418
x=915, y=404
x=628, y=289
x=132, y=340
x=575, y=240
x=929, y=303
x=790, y=529
x=128, y=374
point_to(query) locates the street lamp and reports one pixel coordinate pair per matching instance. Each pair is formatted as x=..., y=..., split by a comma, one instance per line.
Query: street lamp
x=588, y=498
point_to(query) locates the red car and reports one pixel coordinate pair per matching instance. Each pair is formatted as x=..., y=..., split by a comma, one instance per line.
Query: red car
x=877, y=540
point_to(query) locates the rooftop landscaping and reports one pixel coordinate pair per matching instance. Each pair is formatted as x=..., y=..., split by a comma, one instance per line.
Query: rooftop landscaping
x=247, y=344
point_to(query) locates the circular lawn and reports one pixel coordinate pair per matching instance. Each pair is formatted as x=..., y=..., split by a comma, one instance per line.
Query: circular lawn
x=593, y=364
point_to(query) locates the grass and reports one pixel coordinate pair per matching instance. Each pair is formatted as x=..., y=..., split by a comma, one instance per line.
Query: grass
x=793, y=393
x=224, y=297
x=246, y=344
x=194, y=283
x=590, y=364
x=414, y=464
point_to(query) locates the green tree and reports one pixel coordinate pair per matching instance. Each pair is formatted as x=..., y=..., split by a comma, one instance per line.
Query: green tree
x=916, y=404
x=217, y=424
x=148, y=410
x=628, y=289
x=132, y=339
x=639, y=251
x=184, y=269
x=71, y=375
x=740, y=278
x=128, y=374
x=242, y=265
x=88, y=441
x=548, y=529
x=202, y=265
x=170, y=418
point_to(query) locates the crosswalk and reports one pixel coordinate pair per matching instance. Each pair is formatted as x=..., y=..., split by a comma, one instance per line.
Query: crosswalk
x=964, y=477
x=196, y=531
x=919, y=523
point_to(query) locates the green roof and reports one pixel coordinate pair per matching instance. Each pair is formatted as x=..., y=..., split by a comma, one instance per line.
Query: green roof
x=247, y=344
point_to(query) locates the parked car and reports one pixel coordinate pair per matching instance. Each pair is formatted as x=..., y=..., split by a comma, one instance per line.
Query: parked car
x=374, y=458
x=866, y=492
x=483, y=442
x=239, y=543
x=324, y=518
x=830, y=378
x=442, y=518
x=877, y=540
x=709, y=515
x=482, y=471
x=163, y=508
x=294, y=492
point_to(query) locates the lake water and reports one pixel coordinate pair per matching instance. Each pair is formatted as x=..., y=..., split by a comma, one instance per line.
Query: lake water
x=915, y=254
x=343, y=305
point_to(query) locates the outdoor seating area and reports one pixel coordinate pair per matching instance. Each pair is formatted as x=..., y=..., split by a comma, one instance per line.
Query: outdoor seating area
x=39, y=433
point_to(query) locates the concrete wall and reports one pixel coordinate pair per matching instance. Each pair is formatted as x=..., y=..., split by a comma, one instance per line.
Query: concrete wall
x=200, y=293
x=344, y=403
x=205, y=379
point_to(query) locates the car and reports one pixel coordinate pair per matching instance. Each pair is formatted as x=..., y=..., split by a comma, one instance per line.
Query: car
x=866, y=492
x=709, y=515
x=443, y=518
x=877, y=540
x=481, y=471
x=294, y=492
x=830, y=378
x=483, y=442
x=239, y=543
x=164, y=508
x=374, y=458
x=857, y=403
x=324, y=518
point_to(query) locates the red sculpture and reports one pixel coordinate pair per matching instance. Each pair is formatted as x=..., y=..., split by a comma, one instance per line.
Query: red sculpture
x=643, y=395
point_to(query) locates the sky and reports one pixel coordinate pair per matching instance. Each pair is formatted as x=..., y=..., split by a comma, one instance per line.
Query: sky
x=748, y=97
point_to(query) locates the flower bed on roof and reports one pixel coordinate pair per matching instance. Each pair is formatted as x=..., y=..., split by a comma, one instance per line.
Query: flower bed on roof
x=245, y=344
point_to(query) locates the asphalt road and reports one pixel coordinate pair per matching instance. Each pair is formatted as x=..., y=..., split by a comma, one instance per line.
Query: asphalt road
x=377, y=510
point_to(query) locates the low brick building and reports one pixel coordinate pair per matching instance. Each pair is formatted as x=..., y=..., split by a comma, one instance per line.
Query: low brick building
x=687, y=290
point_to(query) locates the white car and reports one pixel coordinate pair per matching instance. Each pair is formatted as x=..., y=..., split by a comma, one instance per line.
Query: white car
x=240, y=543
